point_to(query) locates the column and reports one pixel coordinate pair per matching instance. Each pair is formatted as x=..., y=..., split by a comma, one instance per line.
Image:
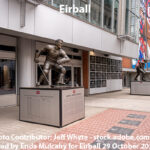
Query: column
x=25, y=63
x=121, y=17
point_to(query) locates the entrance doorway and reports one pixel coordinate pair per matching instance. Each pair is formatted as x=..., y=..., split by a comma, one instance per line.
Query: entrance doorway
x=73, y=76
x=7, y=79
x=7, y=71
x=77, y=76
x=7, y=76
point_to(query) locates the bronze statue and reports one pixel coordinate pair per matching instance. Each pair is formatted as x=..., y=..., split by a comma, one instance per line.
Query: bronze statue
x=140, y=70
x=55, y=58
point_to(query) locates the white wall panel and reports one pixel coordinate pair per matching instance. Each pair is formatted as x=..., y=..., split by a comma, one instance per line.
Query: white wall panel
x=14, y=14
x=97, y=90
x=112, y=85
x=14, y=17
x=4, y=13
x=29, y=23
x=110, y=43
x=129, y=49
x=51, y=24
x=86, y=35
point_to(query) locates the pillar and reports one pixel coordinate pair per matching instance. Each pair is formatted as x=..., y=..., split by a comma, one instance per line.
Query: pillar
x=25, y=63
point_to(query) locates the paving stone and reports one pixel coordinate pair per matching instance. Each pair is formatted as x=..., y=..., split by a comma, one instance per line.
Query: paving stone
x=120, y=130
x=130, y=122
x=136, y=116
x=107, y=144
x=98, y=125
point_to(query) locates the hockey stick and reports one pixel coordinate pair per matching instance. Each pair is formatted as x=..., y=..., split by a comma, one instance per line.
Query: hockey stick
x=44, y=74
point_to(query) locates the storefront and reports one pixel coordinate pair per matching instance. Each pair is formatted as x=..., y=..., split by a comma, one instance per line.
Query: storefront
x=7, y=70
x=104, y=73
x=95, y=71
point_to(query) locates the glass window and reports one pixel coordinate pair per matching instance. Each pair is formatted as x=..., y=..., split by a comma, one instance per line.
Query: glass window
x=107, y=13
x=96, y=7
x=107, y=19
x=7, y=48
x=132, y=18
x=77, y=76
x=101, y=71
x=56, y=3
x=48, y=2
x=81, y=3
x=68, y=76
x=127, y=17
x=116, y=6
x=7, y=76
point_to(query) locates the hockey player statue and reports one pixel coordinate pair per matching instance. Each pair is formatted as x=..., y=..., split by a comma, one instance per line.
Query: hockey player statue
x=55, y=59
x=140, y=70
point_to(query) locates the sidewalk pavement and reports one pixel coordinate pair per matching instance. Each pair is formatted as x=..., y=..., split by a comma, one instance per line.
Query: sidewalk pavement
x=120, y=100
x=112, y=129
x=99, y=119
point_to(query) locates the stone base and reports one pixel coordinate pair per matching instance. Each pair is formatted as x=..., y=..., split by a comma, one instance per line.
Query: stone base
x=140, y=88
x=52, y=106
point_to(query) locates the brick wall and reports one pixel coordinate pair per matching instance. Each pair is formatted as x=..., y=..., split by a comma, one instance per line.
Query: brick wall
x=126, y=62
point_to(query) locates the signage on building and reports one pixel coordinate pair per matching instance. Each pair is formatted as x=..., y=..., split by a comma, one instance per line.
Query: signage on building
x=74, y=9
x=144, y=41
x=134, y=62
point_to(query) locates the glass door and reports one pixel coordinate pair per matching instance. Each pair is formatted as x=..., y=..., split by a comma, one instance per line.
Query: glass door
x=68, y=76
x=72, y=78
x=77, y=76
x=7, y=76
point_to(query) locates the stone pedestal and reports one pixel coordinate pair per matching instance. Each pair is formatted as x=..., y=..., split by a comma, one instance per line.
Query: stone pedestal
x=52, y=106
x=140, y=88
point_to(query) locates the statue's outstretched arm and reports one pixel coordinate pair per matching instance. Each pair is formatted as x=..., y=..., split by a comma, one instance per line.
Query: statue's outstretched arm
x=64, y=58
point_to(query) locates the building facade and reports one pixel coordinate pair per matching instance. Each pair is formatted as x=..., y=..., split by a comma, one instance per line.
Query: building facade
x=95, y=42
